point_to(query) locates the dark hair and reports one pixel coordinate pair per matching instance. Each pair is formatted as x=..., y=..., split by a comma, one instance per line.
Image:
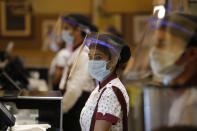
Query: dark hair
x=4, y=55
x=193, y=40
x=82, y=20
x=113, y=30
x=125, y=52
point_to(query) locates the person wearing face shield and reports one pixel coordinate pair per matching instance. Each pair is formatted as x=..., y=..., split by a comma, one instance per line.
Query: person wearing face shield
x=63, y=51
x=171, y=51
x=108, y=105
x=175, y=64
x=78, y=87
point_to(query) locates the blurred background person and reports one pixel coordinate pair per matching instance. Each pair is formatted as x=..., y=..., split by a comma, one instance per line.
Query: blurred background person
x=169, y=54
x=112, y=30
x=78, y=87
x=58, y=63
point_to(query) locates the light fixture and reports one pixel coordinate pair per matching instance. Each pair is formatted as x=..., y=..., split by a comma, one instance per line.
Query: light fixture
x=160, y=9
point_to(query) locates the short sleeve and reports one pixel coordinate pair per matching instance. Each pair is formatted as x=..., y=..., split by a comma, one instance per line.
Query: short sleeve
x=109, y=108
x=62, y=58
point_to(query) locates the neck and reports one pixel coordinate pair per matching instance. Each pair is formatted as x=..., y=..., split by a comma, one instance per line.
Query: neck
x=108, y=76
x=78, y=41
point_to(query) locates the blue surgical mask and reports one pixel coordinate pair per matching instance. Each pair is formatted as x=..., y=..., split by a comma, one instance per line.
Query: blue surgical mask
x=97, y=69
x=68, y=39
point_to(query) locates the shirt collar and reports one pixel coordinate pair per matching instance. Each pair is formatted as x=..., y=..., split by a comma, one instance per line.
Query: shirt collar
x=111, y=77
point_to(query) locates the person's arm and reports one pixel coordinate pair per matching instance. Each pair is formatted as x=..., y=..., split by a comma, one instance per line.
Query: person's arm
x=57, y=75
x=64, y=78
x=102, y=125
x=61, y=60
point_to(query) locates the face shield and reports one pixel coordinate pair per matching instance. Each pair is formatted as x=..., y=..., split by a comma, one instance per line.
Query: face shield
x=163, y=43
x=52, y=37
x=103, y=55
x=69, y=24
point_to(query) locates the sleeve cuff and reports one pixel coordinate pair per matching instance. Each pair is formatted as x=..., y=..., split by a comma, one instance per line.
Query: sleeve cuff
x=108, y=117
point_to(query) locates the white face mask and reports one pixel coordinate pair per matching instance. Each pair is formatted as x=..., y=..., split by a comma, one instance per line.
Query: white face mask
x=68, y=39
x=161, y=61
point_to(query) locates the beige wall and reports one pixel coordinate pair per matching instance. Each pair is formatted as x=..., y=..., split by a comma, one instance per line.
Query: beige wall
x=45, y=10
x=85, y=6
x=61, y=6
x=32, y=42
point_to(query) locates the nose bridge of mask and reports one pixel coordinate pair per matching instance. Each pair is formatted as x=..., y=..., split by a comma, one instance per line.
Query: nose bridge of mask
x=97, y=64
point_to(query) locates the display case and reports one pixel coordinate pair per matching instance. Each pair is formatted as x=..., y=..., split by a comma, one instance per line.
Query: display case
x=48, y=104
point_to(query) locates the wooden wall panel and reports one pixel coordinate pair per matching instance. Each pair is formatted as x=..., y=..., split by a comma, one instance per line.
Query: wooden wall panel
x=35, y=58
x=33, y=42
x=61, y=6
x=127, y=6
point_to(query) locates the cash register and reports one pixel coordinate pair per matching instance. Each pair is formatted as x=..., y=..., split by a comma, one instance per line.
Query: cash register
x=6, y=118
x=48, y=105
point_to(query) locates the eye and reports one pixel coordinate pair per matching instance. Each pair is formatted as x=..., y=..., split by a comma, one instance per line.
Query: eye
x=98, y=57
x=90, y=57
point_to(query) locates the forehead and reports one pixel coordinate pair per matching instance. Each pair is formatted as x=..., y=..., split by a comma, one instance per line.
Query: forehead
x=99, y=48
x=95, y=50
x=166, y=35
x=66, y=24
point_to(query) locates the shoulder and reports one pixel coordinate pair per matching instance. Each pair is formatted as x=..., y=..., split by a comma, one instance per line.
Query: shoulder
x=113, y=85
x=117, y=84
x=64, y=52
